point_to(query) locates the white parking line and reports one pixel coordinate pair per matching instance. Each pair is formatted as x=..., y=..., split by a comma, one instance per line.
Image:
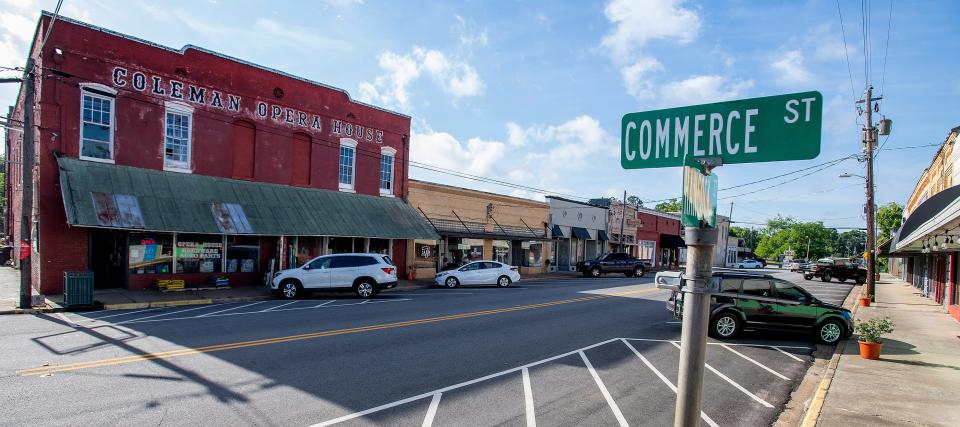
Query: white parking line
x=230, y=309
x=603, y=390
x=140, y=319
x=94, y=319
x=432, y=410
x=754, y=362
x=733, y=383
x=528, y=399
x=663, y=378
x=788, y=354
x=323, y=304
x=278, y=306
x=723, y=343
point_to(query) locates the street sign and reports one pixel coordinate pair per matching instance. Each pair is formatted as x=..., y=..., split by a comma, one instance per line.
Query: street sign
x=699, y=206
x=767, y=129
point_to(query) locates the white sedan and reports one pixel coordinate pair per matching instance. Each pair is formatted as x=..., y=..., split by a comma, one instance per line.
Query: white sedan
x=749, y=263
x=479, y=273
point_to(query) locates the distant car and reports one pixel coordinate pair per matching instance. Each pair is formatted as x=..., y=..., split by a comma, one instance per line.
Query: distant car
x=364, y=274
x=742, y=300
x=761, y=261
x=614, y=262
x=479, y=273
x=749, y=263
x=840, y=268
x=796, y=264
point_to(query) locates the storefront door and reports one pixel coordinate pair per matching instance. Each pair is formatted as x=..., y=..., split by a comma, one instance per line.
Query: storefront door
x=108, y=258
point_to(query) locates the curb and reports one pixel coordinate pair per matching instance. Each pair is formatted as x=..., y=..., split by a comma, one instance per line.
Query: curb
x=175, y=303
x=812, y=415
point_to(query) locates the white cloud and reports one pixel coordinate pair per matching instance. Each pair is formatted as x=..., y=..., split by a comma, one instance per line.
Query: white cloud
x=477, y=157
x=455, y=78
x=635, y=77
x=702, y=89
x=573, y=141
x=298, y=35
x=791, y=68
x=18, y=26
x=16, y=31
x=342, y=4
x=516, y=135
x=468, y=34
x=639, y=21
x=21, y=4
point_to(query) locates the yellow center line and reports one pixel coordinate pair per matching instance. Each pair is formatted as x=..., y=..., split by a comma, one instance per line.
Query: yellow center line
x=313, y=335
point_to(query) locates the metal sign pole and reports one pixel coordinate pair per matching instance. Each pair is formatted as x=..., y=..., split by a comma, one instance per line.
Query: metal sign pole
x=696, y=314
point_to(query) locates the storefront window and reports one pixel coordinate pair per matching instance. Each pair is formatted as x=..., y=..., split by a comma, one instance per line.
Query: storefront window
x=308, y=248
x=462, y=251
x=424, y=253
x=647, y=249
x=243, y=254
x=150, y=253
x=380, y=246
x=341, y=245
x=198, y=253
x=501, y=251
x=533, y=252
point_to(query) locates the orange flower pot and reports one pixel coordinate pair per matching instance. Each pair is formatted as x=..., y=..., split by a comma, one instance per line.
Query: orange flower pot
x=865, y=302
x=870, y=350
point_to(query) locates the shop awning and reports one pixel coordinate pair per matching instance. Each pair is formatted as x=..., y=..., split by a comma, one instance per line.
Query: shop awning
x=933, y=216
x=478, y=230
x=671, y=241
x=111, y=196
x=556, y=232
x=580, y=233
x=602, y=235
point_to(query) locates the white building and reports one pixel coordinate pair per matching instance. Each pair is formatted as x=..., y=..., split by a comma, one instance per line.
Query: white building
x=578, y=232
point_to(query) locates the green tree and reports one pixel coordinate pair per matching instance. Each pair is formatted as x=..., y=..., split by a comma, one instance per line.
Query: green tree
x=851, y=243
x=672, y=205
x=634, y=200
x=889, y=218
x=750, y=236
x=797, y=236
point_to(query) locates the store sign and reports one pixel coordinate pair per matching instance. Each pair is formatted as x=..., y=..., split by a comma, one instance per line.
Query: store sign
x=160, y=86
x=208, y=253
x=772, y=128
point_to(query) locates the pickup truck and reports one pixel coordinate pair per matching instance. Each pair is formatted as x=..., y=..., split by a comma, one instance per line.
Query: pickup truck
x=614, y=262
x=839, y=268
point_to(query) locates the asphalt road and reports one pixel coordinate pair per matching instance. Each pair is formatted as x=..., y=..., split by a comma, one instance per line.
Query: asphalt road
x=551, y=352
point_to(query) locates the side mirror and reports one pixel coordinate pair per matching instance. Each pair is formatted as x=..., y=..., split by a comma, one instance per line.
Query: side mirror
x=306, y=266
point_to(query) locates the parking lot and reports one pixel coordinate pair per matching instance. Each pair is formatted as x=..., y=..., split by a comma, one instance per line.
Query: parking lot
x=621, y=381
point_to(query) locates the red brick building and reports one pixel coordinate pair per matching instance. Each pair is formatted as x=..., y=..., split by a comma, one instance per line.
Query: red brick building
x=658, y=237
x=155, y=163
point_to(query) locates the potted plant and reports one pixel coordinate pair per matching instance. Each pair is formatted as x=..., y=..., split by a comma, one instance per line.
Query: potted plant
x=864, y=298
x=870, y=333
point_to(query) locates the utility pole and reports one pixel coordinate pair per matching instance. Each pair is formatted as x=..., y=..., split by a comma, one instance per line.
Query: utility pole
x=26, y=192
x=808, y=249
x=623, y=219
x=871, y=236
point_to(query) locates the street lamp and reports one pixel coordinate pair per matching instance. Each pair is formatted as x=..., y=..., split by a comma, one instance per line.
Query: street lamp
x=851, y=175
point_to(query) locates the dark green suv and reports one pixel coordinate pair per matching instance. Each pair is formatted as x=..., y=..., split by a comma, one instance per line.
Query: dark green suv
x=755, y=301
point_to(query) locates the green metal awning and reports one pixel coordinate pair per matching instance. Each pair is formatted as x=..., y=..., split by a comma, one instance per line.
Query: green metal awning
x=111, y=196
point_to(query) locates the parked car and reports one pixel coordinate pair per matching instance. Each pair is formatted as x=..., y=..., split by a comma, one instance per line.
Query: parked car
x=839, y=268
x=761, y=261
x=749, y=263
x=479, y=273
x=364, y=274
x=796, y=264
x=753, y=301
x=614, y=262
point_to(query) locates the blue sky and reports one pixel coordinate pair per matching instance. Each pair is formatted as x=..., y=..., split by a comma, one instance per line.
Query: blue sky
x=533, y=92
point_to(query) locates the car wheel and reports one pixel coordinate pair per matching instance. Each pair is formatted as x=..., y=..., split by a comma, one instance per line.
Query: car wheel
x=638, y=272
x=842, y=279
x=503, y=281
x=595, y=272
x=364, y=289
x=725, y=325
x=290, y=289
x=830, y=332
x=861, y=280
x=451, y=282
x=740, y=266
x=826, y=276
x=807, y=276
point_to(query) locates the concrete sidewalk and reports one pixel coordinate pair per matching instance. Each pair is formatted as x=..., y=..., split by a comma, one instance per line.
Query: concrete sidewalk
x=915, y=380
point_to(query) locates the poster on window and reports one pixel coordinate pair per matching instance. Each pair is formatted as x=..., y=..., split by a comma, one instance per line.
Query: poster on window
x=199, y=250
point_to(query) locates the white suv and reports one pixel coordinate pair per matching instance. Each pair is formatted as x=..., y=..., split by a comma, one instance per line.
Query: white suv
x=364, y=274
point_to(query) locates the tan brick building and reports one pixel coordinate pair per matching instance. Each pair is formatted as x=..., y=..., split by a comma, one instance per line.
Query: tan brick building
x=476, y=225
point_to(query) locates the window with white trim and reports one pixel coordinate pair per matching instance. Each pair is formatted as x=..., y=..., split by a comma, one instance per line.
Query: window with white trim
x=348, y=162
x=177, y=137
x=387, y=156
x=96, y=124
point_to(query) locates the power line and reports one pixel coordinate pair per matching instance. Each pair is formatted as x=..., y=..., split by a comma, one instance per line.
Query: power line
x=783, y=182
x=843, y=34
x=886, y=50
x=787, y=174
